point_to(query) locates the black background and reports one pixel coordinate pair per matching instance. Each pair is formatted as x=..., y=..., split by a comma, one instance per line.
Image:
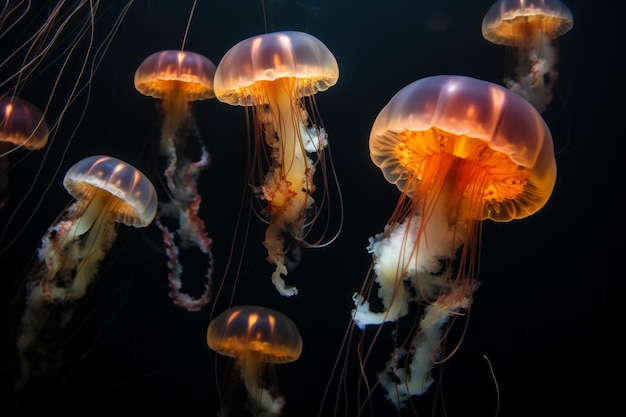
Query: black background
x=548, y=312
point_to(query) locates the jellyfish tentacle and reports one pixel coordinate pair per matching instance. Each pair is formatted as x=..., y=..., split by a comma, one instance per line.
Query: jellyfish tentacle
x=425, y=351
x=68, y=278
x=288, y=186
x=34, y=319
x=73, y=249
x=262, y=397
x=184, y=206
x=285, y=187
x=169, y=151
x=408, y=254
x=536, y=73
x=415, y=254
x=176, y=115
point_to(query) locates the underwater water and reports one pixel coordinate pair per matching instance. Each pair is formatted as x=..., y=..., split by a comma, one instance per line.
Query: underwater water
x=546, y=313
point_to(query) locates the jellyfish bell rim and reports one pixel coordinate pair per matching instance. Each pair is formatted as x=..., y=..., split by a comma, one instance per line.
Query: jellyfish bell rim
x=503, y=120
x=552, y=16
x=222, y=341
x=306, y=59
x=166, y=67
x=78, y=178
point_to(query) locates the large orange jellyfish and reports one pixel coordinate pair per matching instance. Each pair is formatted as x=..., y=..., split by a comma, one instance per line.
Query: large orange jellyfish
x=531, y=27
x=256, y=337
x=22, y=125
x=107, y=192
x=178, y=78
x=272, y=74
x=460, y=150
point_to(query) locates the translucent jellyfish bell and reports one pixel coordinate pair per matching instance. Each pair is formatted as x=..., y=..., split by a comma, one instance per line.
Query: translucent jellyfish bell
x=518, y=23
x=529, y=26
x=176, y=78
x=255, y=336
x=106, y=183
x=299, y=59
x=464, y=115
x=274, y=73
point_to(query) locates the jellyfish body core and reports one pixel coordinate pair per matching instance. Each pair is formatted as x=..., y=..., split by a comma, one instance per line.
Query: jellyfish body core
x=460, y=150
x=273, y=73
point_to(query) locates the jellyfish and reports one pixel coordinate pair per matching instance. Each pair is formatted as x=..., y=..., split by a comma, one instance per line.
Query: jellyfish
x=460, y=150
x=256, y=337
x=531, y=27
x=178, y=78
x=272, y=74
x=22, y=125
x=107, y=192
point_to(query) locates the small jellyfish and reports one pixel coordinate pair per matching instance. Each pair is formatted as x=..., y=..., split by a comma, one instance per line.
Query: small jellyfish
x=178, y=78
x=273, y=74
x=531, y=28
x=256, y=337
x=107, y=192
x=460, y=150
x=22, y=125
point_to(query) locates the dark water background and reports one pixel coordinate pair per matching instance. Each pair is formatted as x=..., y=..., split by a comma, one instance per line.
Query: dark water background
x=548, y=312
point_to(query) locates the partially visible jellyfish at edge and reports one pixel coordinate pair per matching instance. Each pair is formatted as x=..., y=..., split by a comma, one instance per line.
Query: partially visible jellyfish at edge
x=22, y=125
x=276, y=75
x=178, y=78
x=531, y=28
x=107, y=192
x=257, y=337
x=460, y=150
